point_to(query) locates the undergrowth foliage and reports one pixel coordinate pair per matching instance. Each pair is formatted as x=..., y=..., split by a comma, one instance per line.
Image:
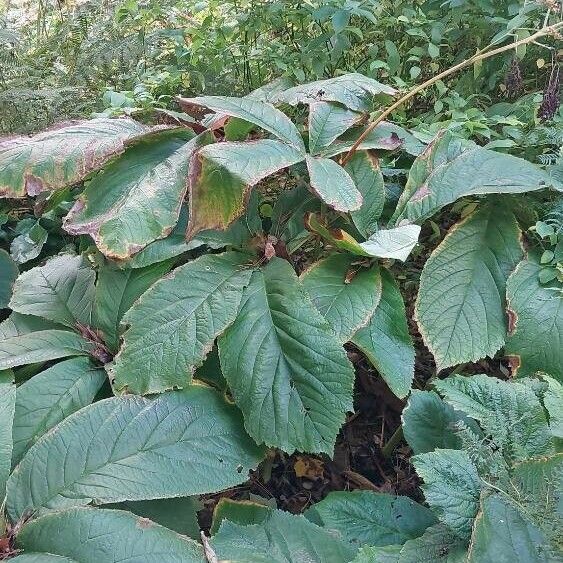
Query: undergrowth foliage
x=196, y=315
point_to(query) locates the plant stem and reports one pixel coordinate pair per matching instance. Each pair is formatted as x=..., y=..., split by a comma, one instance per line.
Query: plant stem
x=392, y=443
x=479, y=56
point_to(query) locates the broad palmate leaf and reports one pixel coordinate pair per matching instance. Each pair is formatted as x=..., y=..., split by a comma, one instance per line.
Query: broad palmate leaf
x=181, y=443
x=346, y=294
x=61, y=291
x=49, y=397
x=280, y=538
x=172, y=326
x=62, y=156
x=460, y=307
x=95, y=535
x=223, y=174
x=368, y=518
x=386, y=341
x=451, y=168
x=535, y=339
x=137, y=198
x=286, y=368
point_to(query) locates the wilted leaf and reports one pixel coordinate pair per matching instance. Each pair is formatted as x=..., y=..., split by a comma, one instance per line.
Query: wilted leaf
x=62, y=156
x=451, y=168
x=345, y=293
x=368, y=518
x=461, y=300
x=49, y=397
x=327, y=121
x=222, y=175
x=280, y=538
x=181, y=443
x=256, y=111
x=535, y=338
x=61, y=291
x=286, y=369
x=8, y=275
x=90, y=535
x=174, y=324
x=137, y=198
x=386, y=341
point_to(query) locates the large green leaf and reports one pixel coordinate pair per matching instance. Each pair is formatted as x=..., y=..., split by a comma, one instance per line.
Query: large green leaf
x=386, y=341
x=429, y=423
x=17, y=325
x=172, y=327
x=451, y=168
x=181, y=443
x=223, y=174
x=8, y=275
x=461, y=299
x=41, y=346
x=535, y=339
x=116, y=291
x=90, y=535
x=327, y=121
x=503, y=535
x=346, y=294
x=49, y=397
x=287, y=371
x=62, y=156
x=365, y=172
x=7, y=407
x=451, y=487
x=281, y=538
x=61, y=291
x=136, y=199
x=258, y=112
x=439, y=544
x=354, y=91
x=333, y=184
x=368, y=518
x=510, y=412
x=42, y=558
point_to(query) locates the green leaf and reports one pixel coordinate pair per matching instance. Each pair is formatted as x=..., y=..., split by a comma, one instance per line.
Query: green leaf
x=377, y=519
x=62, y=156
x=327, y=121
x=371, y=554
x=222, y=176
x=137, y=198
x=178, y=514
x=439, y=544
x=365, y=172
x=510, y=412
x=8, y=275
x=7, y=407
x=41, y=558
x=41, y=346
x=333, y=184
x=89, y=535
x=535, y=339
x=354, y=91
x=49, y=397
x=386, y=136
x=61, y=291
x=386, y=341
x=451, y=487
x=451, y=168
x=256, y=111
x=553, y=403
x=238, y=512
x=17, y=325
x=29, y=242
x=503, y=534
x=287, y=371
x=281, y=538
x=181, y=443
x=116, y=291
x=345, y=294
x=172, y=327
x=460, y=304
x=429, y=423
